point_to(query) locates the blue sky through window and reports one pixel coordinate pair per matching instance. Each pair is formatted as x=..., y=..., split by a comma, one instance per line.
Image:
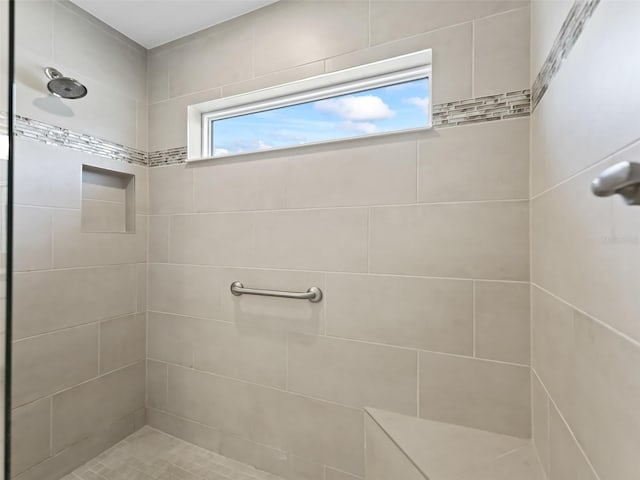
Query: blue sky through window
x=385, y=109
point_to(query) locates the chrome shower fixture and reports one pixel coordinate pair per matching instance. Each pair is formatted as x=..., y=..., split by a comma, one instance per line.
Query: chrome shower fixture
x=64, y=87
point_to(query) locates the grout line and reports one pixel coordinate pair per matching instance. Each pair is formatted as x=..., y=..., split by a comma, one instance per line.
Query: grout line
x=397, y=445
x=88, y=380
x=552, y=403
x=473, y=59
x=418, y=383
x=417, y=172
x=339, y=207
x=99, y=328
x=71, y=327
x=51, y=452
x=368, y=240
x=286, y=361
x=624, y=336
x=369, y=24
x=332, y=272
x=166, y=393
x=473, y=317
x=632, y=145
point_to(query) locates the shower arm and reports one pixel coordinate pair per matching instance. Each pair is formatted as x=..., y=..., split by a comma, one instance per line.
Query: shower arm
x=623, y=179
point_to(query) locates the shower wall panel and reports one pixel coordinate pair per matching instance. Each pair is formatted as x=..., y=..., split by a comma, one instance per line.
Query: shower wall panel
x=80, y=298
x=419, y=241
x=585, y=250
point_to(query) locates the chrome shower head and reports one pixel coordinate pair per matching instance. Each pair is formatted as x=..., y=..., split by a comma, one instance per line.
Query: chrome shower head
x=64, y=87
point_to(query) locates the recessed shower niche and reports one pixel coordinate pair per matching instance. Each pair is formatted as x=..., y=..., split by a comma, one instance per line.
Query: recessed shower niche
x=108, y=201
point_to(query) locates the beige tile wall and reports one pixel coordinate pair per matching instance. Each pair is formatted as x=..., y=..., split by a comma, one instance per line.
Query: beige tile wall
x=479, y=48
x=425, y=286
x=57, y=33
x=419, y=279
x=585, y=251
x=79, y=298
x=79, y=318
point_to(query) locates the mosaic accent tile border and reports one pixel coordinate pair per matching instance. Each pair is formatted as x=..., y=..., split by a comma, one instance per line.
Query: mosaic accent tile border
x=171, y=156
x=482, y=109
x=462, y=112
x=63, y=137
x=581, y=11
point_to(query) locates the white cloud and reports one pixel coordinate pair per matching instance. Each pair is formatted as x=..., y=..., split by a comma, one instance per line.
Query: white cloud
x=423, y=102
x=220, y=151
x=363, y=108
x=363, y=127
x=263, y=146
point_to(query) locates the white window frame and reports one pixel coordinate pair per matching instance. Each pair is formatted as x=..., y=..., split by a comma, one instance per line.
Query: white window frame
x=406, y=68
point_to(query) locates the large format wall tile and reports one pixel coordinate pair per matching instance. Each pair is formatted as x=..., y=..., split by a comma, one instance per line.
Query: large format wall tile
x=94, y=405
x=165, y=115
x=585, y=249
x=501, y=48
x=158, y=248
x=477, y=162
x=476, y=393
x=211, y=59
x=171, y=190
x=318, y=32
x=378, y=173
x=333, y=474
x=122, y=341
x=567, y=134
x=431, y=314
x=205, y=292
x=605, y=417
x=307, y=427
x=32, y=228
x=186, y=290
x=393, y=19
x=567, y=462
x=329, y=240
x=242, y=352
x=158, y=76
x=475, y=240
x=353, y=373
x=452, y=52
x=75, y=248
x=156, y=386
x=30, y=435
x=273, y=79
x=120, y=61
x=71, y=297
x=105, y=112
x=35, y=162
x=87, y=448
x=553, y=349
x=540, y=421
x=502, y=325
x=212, y=239
x=240, y=184
x=49, y=363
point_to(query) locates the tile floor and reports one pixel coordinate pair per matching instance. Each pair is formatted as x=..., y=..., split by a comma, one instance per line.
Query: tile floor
x=150, y=454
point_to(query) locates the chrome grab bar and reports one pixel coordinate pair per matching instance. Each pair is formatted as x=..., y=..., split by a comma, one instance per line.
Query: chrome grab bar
x=314, y=294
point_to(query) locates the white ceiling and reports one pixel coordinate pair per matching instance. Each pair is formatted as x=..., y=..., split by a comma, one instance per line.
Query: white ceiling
x=155, y=22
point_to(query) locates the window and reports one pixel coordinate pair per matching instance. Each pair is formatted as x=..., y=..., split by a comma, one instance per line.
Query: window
x=388, y=96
